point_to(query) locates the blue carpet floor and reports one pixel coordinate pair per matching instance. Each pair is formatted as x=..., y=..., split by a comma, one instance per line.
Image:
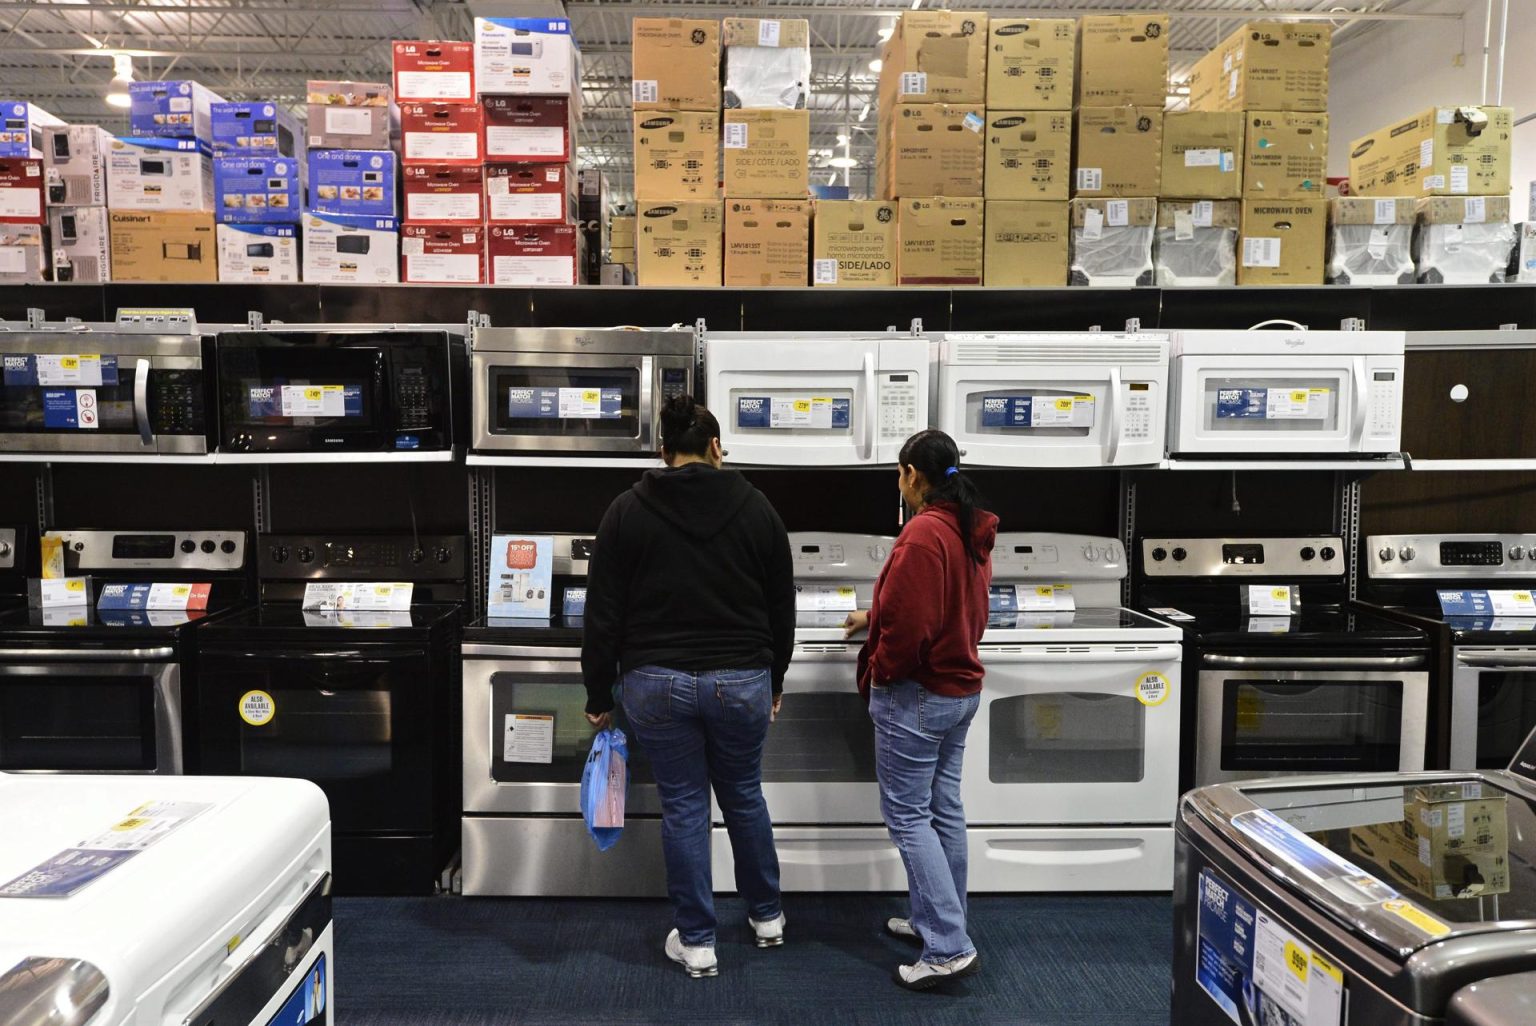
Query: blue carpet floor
x=1048, y=961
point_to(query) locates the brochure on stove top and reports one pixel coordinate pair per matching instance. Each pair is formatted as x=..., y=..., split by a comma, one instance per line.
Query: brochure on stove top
x=1487, y=603
x=521, y=576
x=355, y=596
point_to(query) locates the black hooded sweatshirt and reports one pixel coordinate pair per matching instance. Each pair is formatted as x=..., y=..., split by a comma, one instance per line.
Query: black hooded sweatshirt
x=692, y=571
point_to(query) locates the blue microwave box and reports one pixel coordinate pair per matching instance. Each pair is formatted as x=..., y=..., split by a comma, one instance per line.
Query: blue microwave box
x=353, y=182
x=21, y=129
x=177, y=109
x=255, y=129
x=258, y=190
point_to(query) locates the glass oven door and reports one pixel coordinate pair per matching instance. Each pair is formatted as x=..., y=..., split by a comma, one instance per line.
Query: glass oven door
x=548, y=401
x=1493, y=706
x=1274, y=404
x=284, y=398
x=86, y=711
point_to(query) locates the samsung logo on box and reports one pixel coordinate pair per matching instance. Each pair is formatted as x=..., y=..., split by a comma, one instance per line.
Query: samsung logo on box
x=1013, y=30
x=1008, y=122
x=656, y=122
x=661, y=212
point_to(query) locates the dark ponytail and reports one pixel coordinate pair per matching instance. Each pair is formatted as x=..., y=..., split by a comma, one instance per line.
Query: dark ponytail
x=687, y=427
x=935, y=455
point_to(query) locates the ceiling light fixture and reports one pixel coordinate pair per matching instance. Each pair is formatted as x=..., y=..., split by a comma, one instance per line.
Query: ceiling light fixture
x=122, y=75
x=876, y=64
x=865, y=112
x=842, y=162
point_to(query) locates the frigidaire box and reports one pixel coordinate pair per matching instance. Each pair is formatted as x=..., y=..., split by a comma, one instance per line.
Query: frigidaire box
x=1029, y=154
x=82, y=244
x=346, y=250
x=163, y=246
x=1444, y=151
x=21, y=190
x=352, y=182
x=443, y=193
x=1122, y=60
x=767, y=63
x=1283, y=242
x=442, y=254
x=934, y=149
x=1031, y=63
x=1265, y=65
x=677, y=155
x=675, y=64
x=433, y=71
x=534, y=255
x=177, y=109
x=855, y=243
x=766, y=154
x=767, y=242
x=441, y=133
x=941, y=241
x=351, y=115
x=258, y=190
x=1285, y=155
x=21, y=128
x=680, y=242
x=258, y=252
x=1119, y=151
x=259, y=129
x=1203, y=154
x=935, y=57
x=22, y=257
x=75, y=165
x=526, y=56
x=530, y=129
x=1026, y=243
x=530, y=194
x=159, y=174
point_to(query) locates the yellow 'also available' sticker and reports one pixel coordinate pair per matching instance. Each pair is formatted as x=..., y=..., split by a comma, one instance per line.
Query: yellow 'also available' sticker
x=257, y=708
x=1153, y=688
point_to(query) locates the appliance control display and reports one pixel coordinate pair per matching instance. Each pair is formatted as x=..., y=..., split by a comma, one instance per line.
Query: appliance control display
x=148, y=546
x=898, y=406
x=1245, y=554
x=1137, y=412
x=674, y=382
x=1301, y=557
x=361, y=557
x=361, y=554
x=1472, y=553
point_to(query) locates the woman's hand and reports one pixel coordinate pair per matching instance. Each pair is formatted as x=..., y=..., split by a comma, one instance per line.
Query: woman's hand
x=778, y=700
x=602, y=721
x=857, y=621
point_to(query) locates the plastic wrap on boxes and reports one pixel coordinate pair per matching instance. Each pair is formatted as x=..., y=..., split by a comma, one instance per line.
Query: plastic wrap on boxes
x=1523, y=268
x=760, y=76
x=1121, y=255
x=1464, y=254
x=1370, y=254
x=1196, y=242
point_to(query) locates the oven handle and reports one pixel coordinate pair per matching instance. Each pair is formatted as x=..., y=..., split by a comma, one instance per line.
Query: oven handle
x=86, y=655
x=871, y=409
x=648, y=414
x=1114, y=417
x=1357, y=432
x=1496, y=661
x=1313, y=662
x=141, y=401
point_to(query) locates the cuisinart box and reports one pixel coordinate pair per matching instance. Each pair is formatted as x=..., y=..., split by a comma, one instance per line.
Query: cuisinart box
x=442, y=254
x=534, y=254
x=530, y=194
x=358, y=182
x=526, y=56
x=21, y=254
x=444, y=193
x=434, y=71
x=177, y=109
x=159, y=174
x=441, y=133
x=21, y=128
x=680, y=243
x=75, y=165
x=163, y=246
x=258, y=252
x=82, y=245
x=351, y=115
x=258, y=129
x=532, y=129
x=854, y=243
x=21, y=190
x=263, y=190
x=341, y=249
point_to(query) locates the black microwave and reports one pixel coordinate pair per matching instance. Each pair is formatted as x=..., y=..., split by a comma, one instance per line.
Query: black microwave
x=321, y=391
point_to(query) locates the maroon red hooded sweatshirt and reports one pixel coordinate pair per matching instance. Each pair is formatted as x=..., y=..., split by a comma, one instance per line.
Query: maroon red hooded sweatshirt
x=930, y=606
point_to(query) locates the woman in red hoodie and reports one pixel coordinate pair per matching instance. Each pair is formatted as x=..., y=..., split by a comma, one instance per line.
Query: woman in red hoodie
x=921, y=673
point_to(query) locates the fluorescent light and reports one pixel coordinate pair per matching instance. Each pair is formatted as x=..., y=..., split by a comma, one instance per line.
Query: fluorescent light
x=916, y=4
x=876, y=64
x=865, y=112
x=842, y=140
x=832, y=178
x=887, y=32
x=122, y=74
x=842, y=162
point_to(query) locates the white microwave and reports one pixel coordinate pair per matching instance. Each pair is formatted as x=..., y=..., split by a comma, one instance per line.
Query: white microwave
x=817, y=399
x=1289, y=392
x=1055, y=399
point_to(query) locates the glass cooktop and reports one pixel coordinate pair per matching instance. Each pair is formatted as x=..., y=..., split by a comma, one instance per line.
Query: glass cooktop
x=1320, y=624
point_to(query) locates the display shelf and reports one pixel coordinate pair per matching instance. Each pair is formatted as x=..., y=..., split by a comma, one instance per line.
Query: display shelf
x=1355, y=466
x=1476, y=465
x=571, y=462
x=206, y=459
x=257, y=458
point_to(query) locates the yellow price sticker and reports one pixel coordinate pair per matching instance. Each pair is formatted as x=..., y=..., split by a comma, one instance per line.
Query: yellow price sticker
x=181, y=590
x=1064, y=405
x=1522, y=596
x=591, y=395
x=1045, y=590
x=313, y=394
x=129, y=824
x=69, y=363
x=1417, y=917
x=1296, y=960
x=1280, y=594
x=802, y=406
x=74, y=584
x=1299, y=397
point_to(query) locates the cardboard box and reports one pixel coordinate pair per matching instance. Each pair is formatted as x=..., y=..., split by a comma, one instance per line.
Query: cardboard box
x=82, y=244
x=1031, y=63
x=1462, y=210
x=442, y=254
x=766, y=153
x=21, y=190
x=1452, y=842
x=1119, y=151
x=677, y=155
x=75, y=165
x=1285, y=155
x=163, y=246
x=159, y=174
x=1122, y=60
x=1436, y=153
x=530, y=194
x=258, y=190
x=444, y=193
x=1464, y=240
x=534, y=255
x=1370, y=240
x=257, y=129
x=1196, y=242
x=675, y=64
x=1203, y=154
x=855, y=244
x=174, y=109
x=21, y=129
x=351, y=115
x=680, y=243
x=615, y=274
x=767, y=242
x=442, y=133
x=1029, y=155
x=767, y=63
x=621, y=230
x=592, y=219
x=1112, y=242
x=1283, y=242
x=935, y=57
x=258, y=252
x=23, y=259
x=346, y=250
x=934, y=149
x=1026, y=243
x=433, y=71
x=1265, y=65
x=941, y=241
x=530, y=129
x=359, y=182
x=526, y=56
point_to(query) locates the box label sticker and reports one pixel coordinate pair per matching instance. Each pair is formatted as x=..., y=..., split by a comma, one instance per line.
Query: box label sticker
x=528, y=737
x=1459, y=179
x=1093, y=224
x=1228, y=161
x=453, y=268
x=434, y=85
x=1090, y=179
x=348, y=121
x=816, y=413
x=1385, y=211
x=527, y=206
x=62, y=591
x=72, y=869
x=974, y=122
x=450, y=206
x=519, y=141
x=1183, y=226
x=1117, y=213
x=1433, y=182
x=914, y=83
x=1476, y=209
x=1261, y=252
x=305, y=401
x=533, y=270
x=735, y=135
x=645, y=90
x=442, y=146
x=824, y=272
x=767, y=33
x=1203, y=213
x=1202, y=158
x=1427, y=153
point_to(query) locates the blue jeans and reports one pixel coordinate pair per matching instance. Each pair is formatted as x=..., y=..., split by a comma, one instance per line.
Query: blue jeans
x=703, y=729
x=919, y=744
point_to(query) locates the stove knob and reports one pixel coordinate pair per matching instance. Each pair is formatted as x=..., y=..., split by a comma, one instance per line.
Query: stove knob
x=209, y=546
x=1179, y=554
x=279, y=553
x=877, y=553
x=1328, y=553
x=227, y=547
x=306, y=554
x=1159, y=554
x=5, y=549
x=1387, y=554
x=1407, y=552
x=1517, y=552
x=1308, y=552
x=417, y=555
x=444, y=555
x=189, y=546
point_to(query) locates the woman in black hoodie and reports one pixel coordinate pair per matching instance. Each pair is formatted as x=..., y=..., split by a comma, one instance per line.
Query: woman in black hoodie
x=691, y=610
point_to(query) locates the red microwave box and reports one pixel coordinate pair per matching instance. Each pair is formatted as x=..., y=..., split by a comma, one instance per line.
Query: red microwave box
x=445, y=193
x=442, y=254
x=21, y=191
x=534, y=254
x=442, y=133
x=530, y=194
x=434, y=71
x=530, y=129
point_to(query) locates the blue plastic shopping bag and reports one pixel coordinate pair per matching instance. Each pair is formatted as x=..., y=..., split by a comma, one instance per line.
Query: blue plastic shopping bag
x=603, y=783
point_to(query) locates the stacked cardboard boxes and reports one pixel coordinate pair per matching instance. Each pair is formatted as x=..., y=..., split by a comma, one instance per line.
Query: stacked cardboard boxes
x=351, y=227
x=621, y=251
x=1201, y=193
x=75, y=169
x=23, y=229
x=259, y=192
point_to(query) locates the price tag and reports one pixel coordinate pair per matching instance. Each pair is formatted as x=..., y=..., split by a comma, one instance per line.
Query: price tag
x=62, y=591
x=1047, y=598
x=1512, y=603
x=1269, y=624
x=528, y=737
x=162, y=596
x=824, y=598
x=357, y=595
x=1271, y=600
x=767, y=33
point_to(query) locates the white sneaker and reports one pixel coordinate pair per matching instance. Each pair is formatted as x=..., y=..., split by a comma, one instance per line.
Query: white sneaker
x=769, y=934
x=699, y=961
x=925, y=975
x=902, y=928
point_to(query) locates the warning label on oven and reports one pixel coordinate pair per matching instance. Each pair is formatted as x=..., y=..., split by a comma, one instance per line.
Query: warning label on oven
x=71, y=409
x=528, y=738
x=823, y=413
x=1274, y=403
x=1036, y=411
x=305, y=401
x=566, y=403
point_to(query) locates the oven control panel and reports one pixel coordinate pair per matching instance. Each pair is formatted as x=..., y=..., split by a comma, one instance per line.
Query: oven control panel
x=1451, y=556
x=1243, y=557
x=152, y=550
x=831, y=555
x=1028, y=555
x=305, y=557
